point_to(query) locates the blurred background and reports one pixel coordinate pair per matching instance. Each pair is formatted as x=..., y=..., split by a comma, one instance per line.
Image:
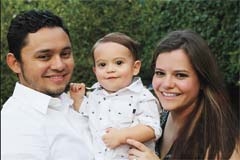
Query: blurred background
x=147, y=21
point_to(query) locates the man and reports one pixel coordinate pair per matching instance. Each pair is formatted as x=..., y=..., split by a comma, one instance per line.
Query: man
x=37, y=121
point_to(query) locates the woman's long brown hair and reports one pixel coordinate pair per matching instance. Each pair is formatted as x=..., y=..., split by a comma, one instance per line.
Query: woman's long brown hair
x=211, y=130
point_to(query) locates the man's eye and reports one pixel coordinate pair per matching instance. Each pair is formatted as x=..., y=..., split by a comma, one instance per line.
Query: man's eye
x=66, y=54
x=119, y=62
x=44, y=57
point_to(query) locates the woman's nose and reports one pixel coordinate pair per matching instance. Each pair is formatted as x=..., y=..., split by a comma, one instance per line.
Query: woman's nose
x=168, y=82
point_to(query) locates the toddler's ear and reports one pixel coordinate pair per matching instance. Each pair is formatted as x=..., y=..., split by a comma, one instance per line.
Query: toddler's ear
x=136, y=67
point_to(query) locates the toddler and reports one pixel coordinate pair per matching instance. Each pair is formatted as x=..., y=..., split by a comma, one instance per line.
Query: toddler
x=120, y=107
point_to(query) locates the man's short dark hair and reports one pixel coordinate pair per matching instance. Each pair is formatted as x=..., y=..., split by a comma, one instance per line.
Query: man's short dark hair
x=30, y=22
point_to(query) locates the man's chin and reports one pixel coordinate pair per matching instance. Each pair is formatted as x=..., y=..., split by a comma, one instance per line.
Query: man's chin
x=55, y=93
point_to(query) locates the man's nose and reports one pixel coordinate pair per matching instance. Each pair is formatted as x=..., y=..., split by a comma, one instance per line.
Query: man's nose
x=57, y=63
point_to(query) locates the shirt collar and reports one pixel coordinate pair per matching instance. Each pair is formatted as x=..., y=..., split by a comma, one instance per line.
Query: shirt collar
x=136, y=85
x=40, y=101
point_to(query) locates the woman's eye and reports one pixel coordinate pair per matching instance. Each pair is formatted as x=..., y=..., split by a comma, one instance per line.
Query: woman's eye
x=119, y=62
x=159, y=73
x=181, y=75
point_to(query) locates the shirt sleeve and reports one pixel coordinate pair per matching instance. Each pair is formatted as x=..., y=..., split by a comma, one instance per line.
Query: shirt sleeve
x=84, y=109
x=148, y=113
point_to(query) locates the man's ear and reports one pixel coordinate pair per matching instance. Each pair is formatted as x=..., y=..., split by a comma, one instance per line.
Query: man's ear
x=13, y=63
x=136, y=67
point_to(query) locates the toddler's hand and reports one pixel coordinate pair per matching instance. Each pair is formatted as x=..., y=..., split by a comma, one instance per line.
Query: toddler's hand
x=112, y=138
x=77, y=91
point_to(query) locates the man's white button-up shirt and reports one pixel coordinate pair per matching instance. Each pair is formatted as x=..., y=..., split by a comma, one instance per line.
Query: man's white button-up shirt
x=35, y=126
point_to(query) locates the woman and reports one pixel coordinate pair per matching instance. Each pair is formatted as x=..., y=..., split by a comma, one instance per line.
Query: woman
x=197, y=120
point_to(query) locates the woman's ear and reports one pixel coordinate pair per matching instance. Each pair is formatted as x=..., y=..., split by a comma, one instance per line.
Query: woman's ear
x=13, y=63
x=136, y=67
x=94, y=69
x=202, y=86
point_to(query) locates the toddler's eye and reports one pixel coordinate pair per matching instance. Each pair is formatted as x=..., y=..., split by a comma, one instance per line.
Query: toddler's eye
x=102, y=64
x=119, y=62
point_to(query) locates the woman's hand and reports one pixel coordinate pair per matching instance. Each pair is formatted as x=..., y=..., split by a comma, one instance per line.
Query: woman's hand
x=140, y=152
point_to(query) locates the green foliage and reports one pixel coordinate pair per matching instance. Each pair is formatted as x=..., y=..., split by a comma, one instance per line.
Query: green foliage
x=145, y=20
